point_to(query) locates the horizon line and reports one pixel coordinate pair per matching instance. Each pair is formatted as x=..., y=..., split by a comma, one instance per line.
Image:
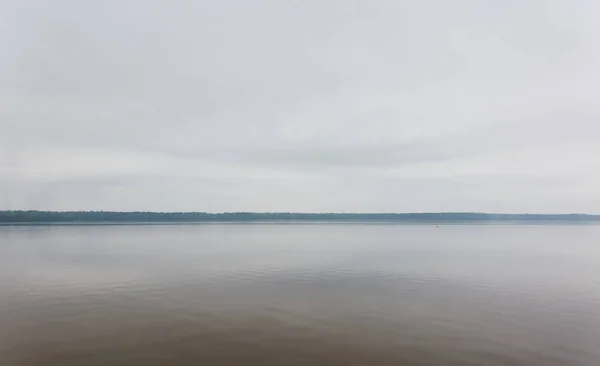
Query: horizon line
x=303, y=212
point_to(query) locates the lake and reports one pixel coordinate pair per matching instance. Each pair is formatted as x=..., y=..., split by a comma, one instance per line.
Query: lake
x=300, y=294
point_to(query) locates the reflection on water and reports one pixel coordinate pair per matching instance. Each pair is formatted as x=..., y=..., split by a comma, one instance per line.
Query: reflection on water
x=304, y=294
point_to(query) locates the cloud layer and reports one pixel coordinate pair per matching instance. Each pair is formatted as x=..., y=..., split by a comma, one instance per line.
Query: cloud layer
x=369, y=106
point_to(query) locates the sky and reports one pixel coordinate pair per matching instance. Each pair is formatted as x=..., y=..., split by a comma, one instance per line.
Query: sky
x=300, y=105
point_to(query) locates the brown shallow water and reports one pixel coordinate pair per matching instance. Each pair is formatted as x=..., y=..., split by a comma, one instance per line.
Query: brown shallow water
x=302, y=294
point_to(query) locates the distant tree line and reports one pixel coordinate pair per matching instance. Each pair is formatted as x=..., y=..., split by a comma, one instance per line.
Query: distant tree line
x=155, y=217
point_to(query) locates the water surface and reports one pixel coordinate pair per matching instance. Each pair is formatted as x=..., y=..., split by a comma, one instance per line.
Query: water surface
x=300, y=294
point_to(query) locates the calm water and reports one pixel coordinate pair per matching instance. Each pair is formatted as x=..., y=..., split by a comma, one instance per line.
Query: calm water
x=304, y=294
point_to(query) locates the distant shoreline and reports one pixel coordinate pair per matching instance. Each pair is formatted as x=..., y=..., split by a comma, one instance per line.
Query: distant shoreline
x=115, y=217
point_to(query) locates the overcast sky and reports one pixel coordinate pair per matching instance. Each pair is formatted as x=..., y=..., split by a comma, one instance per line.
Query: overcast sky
x=300, y=105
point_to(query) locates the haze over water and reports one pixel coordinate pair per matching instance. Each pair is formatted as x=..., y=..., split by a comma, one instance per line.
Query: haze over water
x=300, y=294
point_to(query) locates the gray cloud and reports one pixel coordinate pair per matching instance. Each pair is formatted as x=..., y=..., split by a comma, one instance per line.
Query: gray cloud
x=300, y=105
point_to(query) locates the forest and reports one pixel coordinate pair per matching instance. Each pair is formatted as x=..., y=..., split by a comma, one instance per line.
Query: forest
x=33, y=216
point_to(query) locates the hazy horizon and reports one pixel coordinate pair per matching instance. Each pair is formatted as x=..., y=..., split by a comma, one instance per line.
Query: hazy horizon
x=301, y=106
x=317, y=212
x=533, y=213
